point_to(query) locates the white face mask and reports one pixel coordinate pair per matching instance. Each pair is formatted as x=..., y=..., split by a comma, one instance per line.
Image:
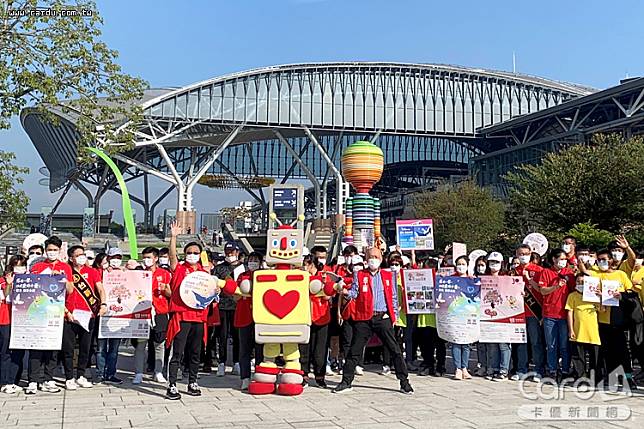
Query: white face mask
x=461, y=269
x=395, y=268
x=566, y=248
x=617, y=255
x=52, y=255
x=524, y=259
x=322, y=261
x=603, y=265
x=81, y=260
x=341, y=260
x=20, y=270
x=481, y=269
x=374, y=263
x=115, y=263
x=192, y=259
x=148, y=262
x=356, y=259
x=584, y=258
x=230, y=259
x=591, y=261
x=164, y=260
x=253, y=265
x=515, y=266
x=495, y=266
x=562, y=263
x=580, y=288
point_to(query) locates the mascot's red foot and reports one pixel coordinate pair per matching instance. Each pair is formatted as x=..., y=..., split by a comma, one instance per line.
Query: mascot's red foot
x=290, y=389
x=257, y=388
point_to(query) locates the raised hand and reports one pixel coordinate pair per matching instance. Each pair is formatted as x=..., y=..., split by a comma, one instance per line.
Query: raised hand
x=175, y=229
x=622, y=242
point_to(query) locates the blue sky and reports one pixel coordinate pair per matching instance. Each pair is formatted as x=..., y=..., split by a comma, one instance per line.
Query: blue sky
x=595, y=43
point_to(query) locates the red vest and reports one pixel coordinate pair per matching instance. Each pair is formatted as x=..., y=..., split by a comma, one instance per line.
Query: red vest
x=363, y=306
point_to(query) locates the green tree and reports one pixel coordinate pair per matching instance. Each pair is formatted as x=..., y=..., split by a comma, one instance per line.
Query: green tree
x=55, y=61
x=599, y=183
x=590, y=235
x=464, y=213
x=13, y=202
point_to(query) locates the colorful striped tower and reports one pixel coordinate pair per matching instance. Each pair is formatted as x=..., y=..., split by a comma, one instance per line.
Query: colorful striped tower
x=362, y=166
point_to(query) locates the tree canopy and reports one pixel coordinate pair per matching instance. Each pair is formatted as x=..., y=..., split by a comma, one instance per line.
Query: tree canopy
x=462, y=212
x=599, y=183
x=13, y=202
x=51, y=55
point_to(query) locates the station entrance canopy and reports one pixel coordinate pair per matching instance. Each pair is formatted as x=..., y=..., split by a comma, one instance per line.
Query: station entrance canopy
x=293, y=121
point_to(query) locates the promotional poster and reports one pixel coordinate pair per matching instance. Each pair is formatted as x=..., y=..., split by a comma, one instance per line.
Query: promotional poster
x=457, y=309
x=129, y=304
x=502, y=311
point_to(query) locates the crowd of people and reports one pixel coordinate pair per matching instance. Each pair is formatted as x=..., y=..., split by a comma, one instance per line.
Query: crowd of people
x=567, y=337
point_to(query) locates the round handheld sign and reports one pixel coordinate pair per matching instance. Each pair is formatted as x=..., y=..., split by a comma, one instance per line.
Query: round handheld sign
x=537, y=242
x=198, y=290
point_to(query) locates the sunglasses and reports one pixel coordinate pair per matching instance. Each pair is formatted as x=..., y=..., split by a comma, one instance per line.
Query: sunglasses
x=35, y=253
x=193, y=253
x=395, y=265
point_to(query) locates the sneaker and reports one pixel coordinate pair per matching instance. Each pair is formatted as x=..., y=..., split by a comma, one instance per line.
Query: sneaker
x=342, y=387
x=386, y=370
x=138, y=379
x=71, y=384
x=502, y=376
x=329, y=371
x=632, y=384
x=221, y=370
x=489, y=377
x=99, y=380
x=236, y=368
x=3, y=389
x=536, y=378
x=424, y=371
x=466, y=374
x=31, y=389
x=406, y=388
x=515, y=377
x=83, y=382
x=244, y=384
x=320, y=383
x=11, y=389
x=50, y=386
x=159, y=378
x=194, y=390
x=114, y=380
x=481, y=372
x=172, y=393
x=458, y=375
x=359, y=370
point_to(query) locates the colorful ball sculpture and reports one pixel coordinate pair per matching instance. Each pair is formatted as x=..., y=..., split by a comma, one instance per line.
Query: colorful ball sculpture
x=362, y=166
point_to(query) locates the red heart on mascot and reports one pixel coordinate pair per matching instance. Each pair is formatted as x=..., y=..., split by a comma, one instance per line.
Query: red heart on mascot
x=278, y=304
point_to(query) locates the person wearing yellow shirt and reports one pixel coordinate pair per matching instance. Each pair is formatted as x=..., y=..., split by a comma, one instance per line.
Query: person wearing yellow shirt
x=614, y=351
x=583, y=330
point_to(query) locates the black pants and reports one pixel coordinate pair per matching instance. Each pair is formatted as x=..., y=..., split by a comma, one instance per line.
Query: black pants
x=579, y=351
x=614, y=349
x=246, y=346
x=430, y=344
x=225, y=330
x=314, y=353
x=93, y=345
x=72, y=331
x=189, y=336
x=210, y=350
x=18, y=358
x=42, y=364
x=7, y=368
x=346, y=337
x=363, y=330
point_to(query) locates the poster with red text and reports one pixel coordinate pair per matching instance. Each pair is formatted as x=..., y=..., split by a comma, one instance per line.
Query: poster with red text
x=502, y=312
x=129, y=304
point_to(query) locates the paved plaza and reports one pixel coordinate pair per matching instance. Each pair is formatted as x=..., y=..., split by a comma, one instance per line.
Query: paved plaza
x=374, y=402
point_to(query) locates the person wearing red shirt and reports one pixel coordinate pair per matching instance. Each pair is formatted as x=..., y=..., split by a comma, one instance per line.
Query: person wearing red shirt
x=569, y=246
x=88, y=296
x=529, y=272
x=160, y=305
x=43, y=362
x=186, y=327
x=555, y=283
x=243, y=319
x=8, y=365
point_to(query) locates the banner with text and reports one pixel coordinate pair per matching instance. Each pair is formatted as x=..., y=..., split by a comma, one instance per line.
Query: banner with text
x=415, y=234
x=502, y=311
x=457, y=309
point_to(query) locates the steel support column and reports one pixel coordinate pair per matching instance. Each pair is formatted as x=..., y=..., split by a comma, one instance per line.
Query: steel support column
x=339, y=205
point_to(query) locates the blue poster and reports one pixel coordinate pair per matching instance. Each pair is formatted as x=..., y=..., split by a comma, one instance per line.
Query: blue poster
x=415, y=234
x=458, y=307
x=37, y=311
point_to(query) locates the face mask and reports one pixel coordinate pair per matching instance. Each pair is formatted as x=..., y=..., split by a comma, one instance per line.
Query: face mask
x=395, y=268
x=322, y=261
x=148, y=262
x=617, y=255
x=580, y=288
x=461, y=269
x=515, y=266
x=356, y=259
x=567, y=248
x=253, y=265
x=164, y=260
x=480, y=269
x=603, y=265
x=561, y=263
x=341, y=260
x=81, y=260
x=584, y=258
x=591, y=261
x=495, y=266
x=52, y=255
x=193, y=259
x=524, y=259
x=115, y=263
x=230, y=259
x=374, y=263
x=20, y=270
